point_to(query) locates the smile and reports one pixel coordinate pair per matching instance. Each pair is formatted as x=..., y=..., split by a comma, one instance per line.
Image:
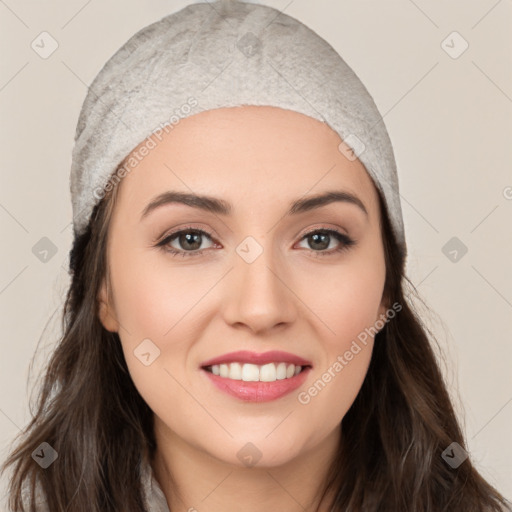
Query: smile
x=255, y=373
x=257, y=389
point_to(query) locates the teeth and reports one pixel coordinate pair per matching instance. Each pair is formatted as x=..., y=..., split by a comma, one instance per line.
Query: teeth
x=253, y=373
x=268, y=373
x=281, y=371
x=250, y=373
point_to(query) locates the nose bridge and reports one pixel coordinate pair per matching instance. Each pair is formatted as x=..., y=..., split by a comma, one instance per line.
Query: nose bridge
x=259, y=296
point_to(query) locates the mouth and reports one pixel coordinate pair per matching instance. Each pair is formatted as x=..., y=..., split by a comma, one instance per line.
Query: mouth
x=255, y=377
x=249, y=372
x=256, y=383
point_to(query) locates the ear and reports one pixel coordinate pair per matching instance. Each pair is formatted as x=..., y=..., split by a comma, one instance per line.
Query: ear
x=106, y=311
x=384, y=306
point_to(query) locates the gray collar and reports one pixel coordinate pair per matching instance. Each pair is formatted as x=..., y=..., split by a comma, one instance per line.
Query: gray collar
x=155, y=498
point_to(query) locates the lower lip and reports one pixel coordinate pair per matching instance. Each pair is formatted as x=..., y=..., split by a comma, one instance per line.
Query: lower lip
x=258, y=391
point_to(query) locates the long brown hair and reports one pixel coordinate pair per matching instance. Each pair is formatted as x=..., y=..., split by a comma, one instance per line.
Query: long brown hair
x=89, y=411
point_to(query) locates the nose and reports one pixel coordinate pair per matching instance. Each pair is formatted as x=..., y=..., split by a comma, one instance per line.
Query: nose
x=259, y=295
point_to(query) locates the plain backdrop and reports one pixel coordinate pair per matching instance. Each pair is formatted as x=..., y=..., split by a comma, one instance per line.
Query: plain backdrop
x=449, y=115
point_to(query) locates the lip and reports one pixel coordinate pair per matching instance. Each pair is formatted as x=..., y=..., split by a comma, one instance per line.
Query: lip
x=258, y=391
x=246, y=356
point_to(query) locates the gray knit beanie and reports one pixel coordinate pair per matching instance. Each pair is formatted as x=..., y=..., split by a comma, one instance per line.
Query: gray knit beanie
x=222, y=54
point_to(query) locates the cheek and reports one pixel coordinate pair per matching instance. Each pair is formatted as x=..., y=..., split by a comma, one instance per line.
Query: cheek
x=347, y=305
x=147, y=305
x=152, y=297
x=334, y=387
x=150, y=306
x=158, y=301
x=346, y=299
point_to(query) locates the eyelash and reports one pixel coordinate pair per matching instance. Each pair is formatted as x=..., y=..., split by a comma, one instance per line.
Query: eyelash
x=346, y=242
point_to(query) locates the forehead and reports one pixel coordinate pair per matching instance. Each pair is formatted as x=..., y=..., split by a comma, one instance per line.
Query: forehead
x=251, y=152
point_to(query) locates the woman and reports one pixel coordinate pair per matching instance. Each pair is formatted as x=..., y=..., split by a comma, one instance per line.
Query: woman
x=238, y=332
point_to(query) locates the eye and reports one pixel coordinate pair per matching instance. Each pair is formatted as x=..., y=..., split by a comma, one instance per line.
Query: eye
x=189, y=239
x=321, y=239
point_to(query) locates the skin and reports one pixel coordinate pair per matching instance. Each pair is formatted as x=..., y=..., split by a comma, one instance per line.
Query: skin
x=259, y=159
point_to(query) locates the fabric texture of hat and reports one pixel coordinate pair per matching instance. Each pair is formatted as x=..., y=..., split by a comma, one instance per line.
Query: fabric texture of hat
x=222, y=54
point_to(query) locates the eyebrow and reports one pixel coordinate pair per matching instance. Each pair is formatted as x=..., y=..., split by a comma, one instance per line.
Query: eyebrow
x=221, y=207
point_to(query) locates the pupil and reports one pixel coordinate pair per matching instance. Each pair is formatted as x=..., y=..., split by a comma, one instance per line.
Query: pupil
x=188, y=236
x=316, y=237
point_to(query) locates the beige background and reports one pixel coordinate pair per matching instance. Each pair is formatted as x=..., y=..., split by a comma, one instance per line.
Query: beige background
x=450, y=120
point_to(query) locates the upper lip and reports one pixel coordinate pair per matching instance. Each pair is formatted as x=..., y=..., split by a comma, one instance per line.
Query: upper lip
x=246, y=356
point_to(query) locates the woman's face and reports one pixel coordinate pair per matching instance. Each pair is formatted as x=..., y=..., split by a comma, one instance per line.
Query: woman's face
x=257, y=281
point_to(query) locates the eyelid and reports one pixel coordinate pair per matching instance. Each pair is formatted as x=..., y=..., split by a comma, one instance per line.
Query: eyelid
x=323, y=228
x=187, y=227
